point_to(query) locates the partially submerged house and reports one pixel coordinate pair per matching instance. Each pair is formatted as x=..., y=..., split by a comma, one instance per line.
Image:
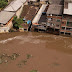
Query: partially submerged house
x=29, y=17
x=66, y=25
x=54, y=18
x=16, y=6
x=6, y=21
x=37, y=21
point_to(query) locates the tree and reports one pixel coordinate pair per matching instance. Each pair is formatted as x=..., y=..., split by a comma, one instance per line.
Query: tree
x=3, y=3
x=17, y=22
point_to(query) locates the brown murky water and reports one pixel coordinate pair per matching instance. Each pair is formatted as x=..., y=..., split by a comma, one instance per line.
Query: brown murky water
x=37, y=51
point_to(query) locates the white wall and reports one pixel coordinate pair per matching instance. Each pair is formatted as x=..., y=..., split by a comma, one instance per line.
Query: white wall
x=37, y=17
x=69, y=10
x=18, y=13
x=6, y=28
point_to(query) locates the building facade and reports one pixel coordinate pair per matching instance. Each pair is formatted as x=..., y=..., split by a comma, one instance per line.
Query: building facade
x=54, y=18
x=66, y=25
x=6, y=21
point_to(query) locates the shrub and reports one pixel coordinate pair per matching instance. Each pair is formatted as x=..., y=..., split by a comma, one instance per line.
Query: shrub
x=3, y=3
x=34, y=71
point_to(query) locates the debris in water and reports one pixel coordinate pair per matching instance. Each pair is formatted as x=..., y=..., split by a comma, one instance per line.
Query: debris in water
x=24, y=62
x=4, y=57
x=28, y=56
x=1, y=61
x=19, y=64
x=14, y=56
x=56, y=64
x=6, y=61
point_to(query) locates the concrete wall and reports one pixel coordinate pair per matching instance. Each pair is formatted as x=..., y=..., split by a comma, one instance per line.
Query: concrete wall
x=37, y=17
x=10, y=25
x=18, y=13
x=3, y=29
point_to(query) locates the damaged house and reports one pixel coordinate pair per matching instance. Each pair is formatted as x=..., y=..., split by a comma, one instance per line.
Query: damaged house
x=28, y=18
x=54, y=18
x=16, y=6
x=39, y=21
x=66, y=25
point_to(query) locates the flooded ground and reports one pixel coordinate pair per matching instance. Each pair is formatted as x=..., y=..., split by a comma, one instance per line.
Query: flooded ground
x=23, y=52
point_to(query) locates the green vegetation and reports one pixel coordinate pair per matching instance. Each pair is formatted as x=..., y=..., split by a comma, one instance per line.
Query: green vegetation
x=28, y=56
x=17, y=22
x=3, y=3
x=5, y=58
x=34, y=71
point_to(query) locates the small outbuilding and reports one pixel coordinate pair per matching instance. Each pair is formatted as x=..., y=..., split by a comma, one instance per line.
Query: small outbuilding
x=6, y=21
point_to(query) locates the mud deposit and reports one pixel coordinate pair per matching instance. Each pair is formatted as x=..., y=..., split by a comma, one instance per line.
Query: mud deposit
x=25, y=52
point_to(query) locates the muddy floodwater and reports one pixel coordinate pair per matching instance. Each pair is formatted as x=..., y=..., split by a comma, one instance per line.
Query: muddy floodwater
x=24, y=52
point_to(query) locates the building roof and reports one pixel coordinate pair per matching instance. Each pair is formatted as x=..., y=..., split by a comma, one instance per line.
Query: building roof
x=55, y=9
x=68, y=0
x=56, y=2
x=15, y=5
x=31, y=12
x=38, y=15
x=5, y=16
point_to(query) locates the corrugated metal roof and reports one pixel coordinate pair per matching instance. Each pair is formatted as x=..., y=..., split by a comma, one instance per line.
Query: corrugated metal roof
x=69, y=10
x=55, y=9
x=15, y=5
x=5, y=16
